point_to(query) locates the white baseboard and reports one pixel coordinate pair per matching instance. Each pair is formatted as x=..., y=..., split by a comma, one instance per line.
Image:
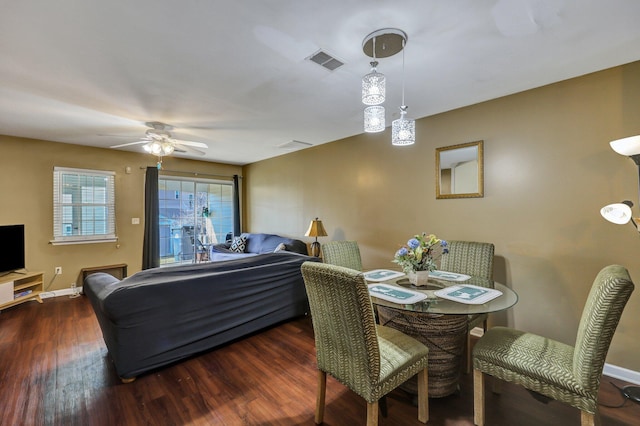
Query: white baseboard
x=622, y=374
x=58, y=293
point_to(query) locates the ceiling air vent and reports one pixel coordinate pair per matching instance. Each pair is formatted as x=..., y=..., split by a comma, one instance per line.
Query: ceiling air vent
x=293, y=145
x=323, y=59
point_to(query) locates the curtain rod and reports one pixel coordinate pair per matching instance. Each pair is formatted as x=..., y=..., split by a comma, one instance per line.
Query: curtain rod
x=193, y=173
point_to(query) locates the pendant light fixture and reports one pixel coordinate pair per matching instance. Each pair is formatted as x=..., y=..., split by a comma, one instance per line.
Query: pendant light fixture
x=373, y=94
x=374, y=120
x=381, y=44
x=374, y=83
x=403, y=130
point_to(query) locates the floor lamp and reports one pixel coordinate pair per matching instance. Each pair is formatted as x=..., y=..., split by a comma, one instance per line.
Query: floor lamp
x=620, y=213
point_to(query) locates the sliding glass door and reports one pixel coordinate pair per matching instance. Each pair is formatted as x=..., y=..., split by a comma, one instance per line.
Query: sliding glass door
x=193, y=215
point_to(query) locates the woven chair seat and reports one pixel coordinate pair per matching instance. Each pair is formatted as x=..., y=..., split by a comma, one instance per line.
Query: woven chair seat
x=540, y=364
x=401, y=357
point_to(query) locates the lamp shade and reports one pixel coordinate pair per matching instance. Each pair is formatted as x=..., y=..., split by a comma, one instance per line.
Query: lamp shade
x=373, y=86
x=626, y=146
x=619, y=213
x=316, y=229
x=403, y=130
x=374, y=121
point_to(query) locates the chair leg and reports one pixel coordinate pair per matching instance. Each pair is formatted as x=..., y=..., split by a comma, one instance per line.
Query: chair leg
x=382, y=402
x=478, y=397
x=423, y=396
x=322, y=390
x=467, y=354
x=588, y=419
x=372, y=413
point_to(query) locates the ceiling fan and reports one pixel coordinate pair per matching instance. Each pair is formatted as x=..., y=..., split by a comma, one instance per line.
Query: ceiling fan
x=159, y=141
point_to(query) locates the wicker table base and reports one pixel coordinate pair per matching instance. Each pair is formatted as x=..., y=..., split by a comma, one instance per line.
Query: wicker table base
x=444, y=335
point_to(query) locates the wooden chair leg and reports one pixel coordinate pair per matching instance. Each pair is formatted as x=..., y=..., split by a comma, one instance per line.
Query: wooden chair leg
x=478, y=397
x=322, y=390
x=423, y=396
x=466, y=357
x=383, y=406
x=588, y=419
x=372, y=413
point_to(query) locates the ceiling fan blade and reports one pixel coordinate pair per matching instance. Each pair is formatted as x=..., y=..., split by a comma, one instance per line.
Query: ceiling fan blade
x=184, y=148
x=192, y=144
x=128, y=144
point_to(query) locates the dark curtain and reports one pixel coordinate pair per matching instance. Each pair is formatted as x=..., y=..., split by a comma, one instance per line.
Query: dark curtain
x=151, y=245
x=236, y=206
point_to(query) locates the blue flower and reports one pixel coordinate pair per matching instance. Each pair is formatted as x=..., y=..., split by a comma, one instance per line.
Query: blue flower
x=402, y=252
x=413, y=243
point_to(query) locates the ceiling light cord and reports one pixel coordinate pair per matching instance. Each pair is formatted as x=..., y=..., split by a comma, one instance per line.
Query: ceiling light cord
x=403, y=48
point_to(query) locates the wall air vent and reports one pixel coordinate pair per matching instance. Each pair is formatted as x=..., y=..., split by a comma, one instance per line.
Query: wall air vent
x=293, y=145
x=325, y=60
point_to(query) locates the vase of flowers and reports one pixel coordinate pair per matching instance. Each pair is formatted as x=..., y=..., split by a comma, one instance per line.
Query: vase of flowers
x=418, y=257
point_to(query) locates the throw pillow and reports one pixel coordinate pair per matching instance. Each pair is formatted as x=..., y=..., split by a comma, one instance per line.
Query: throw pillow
x=281, y=247
x=239, y=244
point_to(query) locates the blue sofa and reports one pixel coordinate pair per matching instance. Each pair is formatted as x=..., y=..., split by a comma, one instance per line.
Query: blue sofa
x=161, y=315
x=257, y=243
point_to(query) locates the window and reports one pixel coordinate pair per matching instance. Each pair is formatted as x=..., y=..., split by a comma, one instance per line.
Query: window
x=193, y=215
x=83, y=206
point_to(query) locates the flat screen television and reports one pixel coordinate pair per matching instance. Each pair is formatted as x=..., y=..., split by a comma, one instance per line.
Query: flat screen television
x=12, y=238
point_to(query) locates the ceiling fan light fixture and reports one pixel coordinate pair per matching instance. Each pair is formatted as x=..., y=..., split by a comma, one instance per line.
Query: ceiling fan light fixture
x=167, y=148
x=154, y=147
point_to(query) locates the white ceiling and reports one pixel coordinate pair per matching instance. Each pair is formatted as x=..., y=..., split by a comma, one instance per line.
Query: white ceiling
x=234, y=74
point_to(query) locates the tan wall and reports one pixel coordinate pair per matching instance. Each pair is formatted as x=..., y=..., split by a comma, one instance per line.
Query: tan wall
x=548, y=171
x=26, y=191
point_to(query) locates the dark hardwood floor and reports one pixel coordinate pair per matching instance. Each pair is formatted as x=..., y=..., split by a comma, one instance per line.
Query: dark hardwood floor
x=55, y=370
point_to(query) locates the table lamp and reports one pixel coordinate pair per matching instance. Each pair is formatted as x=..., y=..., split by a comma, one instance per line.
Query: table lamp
x=316, y=229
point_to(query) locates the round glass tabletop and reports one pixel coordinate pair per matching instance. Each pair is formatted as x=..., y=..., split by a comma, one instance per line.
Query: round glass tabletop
x=437, y=305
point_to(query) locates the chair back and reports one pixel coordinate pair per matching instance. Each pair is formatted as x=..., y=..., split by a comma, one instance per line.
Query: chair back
x=343, y=323
x=609, y=293
x=470, y=258
x=342, y=253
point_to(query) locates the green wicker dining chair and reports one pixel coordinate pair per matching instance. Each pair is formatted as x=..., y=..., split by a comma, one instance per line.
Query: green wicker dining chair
x=470, y=258
x=569, y=374
x=369, y=359
x=342, y=253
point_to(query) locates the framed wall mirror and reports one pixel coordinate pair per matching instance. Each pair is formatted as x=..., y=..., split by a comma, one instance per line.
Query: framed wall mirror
x=460, y=171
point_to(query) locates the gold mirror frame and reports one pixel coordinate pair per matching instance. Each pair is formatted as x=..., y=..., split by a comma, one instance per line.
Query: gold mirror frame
x=463, y=153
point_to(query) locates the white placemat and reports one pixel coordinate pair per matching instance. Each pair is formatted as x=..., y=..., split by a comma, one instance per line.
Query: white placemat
x=448, y=276
x=395, y=294
x=378, y=275
x=470, y=294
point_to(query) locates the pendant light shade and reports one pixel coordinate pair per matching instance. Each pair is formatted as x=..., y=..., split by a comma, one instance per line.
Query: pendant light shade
x=374, y=120
x=403, y=130
x=373, y=86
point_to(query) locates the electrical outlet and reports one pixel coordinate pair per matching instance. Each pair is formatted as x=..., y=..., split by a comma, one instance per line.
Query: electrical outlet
x=58, y=270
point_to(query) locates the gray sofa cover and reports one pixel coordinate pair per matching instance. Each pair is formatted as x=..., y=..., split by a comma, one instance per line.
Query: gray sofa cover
x=257, y=244
x=158, y=316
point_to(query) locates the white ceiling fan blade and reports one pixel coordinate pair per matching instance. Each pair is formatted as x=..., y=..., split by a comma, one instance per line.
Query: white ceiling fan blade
x=192, y=144
x=181, y=147
x=128, y=144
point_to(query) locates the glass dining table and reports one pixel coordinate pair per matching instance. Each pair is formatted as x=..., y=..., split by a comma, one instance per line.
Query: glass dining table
x=441, y=324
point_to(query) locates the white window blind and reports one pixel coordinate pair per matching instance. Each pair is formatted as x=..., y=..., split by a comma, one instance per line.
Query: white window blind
x=83, y=206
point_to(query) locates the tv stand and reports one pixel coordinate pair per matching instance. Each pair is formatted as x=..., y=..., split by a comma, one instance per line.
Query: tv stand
x=19, y=287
